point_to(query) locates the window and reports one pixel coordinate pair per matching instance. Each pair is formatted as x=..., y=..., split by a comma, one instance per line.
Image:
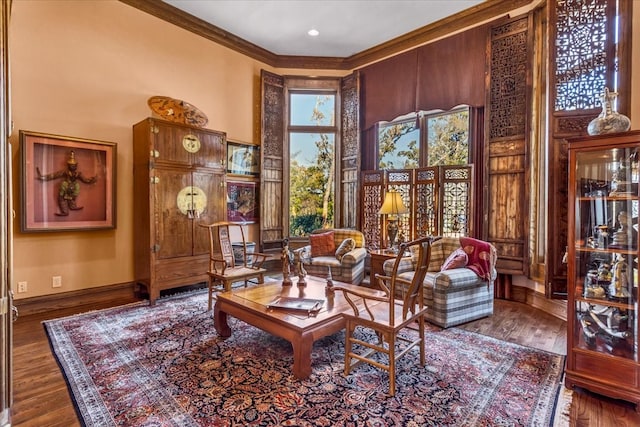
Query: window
x=398, y=144
x=446, y=138
x=426, y=158
x=312, y=160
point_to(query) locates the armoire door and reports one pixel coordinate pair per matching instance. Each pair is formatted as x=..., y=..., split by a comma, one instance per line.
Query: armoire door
x=173, y=198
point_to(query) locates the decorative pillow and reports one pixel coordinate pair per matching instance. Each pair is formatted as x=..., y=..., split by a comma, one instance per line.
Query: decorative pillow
x=322, y=244
x=347, y=245
x=482, y=256
x=457, y=259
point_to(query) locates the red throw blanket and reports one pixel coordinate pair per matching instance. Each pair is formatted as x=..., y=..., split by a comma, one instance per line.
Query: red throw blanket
x=482, y=256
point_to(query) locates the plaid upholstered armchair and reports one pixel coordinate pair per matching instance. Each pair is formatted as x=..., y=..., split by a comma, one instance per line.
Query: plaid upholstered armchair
x=458, y=287
x=341, y=249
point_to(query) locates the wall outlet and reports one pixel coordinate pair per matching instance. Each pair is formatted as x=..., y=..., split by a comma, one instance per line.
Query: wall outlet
x=22, y=287
x=56, y=282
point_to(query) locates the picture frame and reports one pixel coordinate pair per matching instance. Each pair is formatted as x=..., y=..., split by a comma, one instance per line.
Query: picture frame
x=242, y=201
x=67, y=183
x=243, y=159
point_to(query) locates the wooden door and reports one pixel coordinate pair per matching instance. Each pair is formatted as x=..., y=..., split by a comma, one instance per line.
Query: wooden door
x=168, y=143
x=213, y=150
x=172, y=191
x=212, y=184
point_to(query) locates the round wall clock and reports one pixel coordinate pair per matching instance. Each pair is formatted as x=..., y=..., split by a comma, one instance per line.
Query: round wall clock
x=178, y=111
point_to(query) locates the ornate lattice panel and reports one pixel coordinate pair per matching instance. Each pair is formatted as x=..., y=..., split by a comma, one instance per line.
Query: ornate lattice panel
x=401, y=180
x=506, y=168
x=438, y=199
x=271, y=177
x=509, y=55
x=350, y=151
x=371, y=196
x=425, y=212
x=456, y=200
x=581, y=53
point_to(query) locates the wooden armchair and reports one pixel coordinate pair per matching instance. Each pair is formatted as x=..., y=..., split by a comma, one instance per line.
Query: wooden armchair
x=401, y=308
x=223, y=269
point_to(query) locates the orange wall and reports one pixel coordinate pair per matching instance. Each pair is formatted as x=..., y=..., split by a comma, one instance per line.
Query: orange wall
x=86, y=69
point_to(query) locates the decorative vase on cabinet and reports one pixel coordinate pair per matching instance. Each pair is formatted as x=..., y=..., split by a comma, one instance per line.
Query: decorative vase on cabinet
x=602, y=315
x=179, y=181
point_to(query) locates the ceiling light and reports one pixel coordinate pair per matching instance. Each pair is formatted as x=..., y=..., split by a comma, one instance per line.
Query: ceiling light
x=313, y=32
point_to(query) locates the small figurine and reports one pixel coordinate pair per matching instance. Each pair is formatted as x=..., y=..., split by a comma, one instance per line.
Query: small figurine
x=299, y=267
x=286, y=263
x=70, y=185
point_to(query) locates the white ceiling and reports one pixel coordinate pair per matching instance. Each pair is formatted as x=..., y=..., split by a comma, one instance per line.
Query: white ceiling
x=346, y=27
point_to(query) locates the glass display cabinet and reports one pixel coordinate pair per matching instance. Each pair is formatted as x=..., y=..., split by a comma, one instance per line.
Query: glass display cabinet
x=602, y=315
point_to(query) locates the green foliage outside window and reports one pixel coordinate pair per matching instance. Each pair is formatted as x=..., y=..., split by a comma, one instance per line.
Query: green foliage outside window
x=398, y=146
x=312, y=169
x=448, y=138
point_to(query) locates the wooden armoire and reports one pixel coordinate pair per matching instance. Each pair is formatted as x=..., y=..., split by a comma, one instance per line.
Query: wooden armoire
x=179, y=182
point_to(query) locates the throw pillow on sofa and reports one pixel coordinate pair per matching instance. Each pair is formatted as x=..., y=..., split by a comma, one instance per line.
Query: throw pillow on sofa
x=322, y=244
x=457, y=259
x=347, y=245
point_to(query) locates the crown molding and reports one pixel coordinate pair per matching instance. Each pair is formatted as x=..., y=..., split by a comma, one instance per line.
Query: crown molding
x=468, y=18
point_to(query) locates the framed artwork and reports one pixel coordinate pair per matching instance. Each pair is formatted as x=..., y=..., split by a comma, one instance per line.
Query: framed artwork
x=67, y=183
x=243, y=159
x=242, y=201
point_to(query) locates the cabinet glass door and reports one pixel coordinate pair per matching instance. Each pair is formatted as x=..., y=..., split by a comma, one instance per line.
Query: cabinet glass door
x=605, y=284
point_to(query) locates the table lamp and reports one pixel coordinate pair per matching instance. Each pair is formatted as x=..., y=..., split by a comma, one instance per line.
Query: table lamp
x=392, y=207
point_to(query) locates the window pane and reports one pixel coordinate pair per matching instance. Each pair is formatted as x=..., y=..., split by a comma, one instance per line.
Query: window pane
x=448, y=138
x=398, y=145
x=311, y=193
x=312, y=109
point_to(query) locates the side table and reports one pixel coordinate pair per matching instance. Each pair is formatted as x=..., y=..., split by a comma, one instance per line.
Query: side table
x=378, y=257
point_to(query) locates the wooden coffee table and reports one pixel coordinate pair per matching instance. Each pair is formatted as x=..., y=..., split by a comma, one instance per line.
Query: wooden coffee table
x=300, y=329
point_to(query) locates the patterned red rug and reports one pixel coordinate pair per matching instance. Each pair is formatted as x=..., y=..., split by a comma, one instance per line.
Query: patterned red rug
x=165, y=366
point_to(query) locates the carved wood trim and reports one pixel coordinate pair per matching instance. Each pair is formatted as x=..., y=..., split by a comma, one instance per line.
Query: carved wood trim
x=349, y=150
x=507, y=143
x=272, y=146
x=565, y=120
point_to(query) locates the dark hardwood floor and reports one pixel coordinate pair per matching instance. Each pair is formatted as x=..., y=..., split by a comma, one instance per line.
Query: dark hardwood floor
x=41, y=397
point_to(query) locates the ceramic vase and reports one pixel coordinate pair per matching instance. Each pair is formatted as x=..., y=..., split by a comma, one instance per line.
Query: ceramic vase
x=609, y=120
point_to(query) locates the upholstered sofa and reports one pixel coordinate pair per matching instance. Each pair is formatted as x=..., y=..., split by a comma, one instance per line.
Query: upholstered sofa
x=324, y=251
x=459, y=294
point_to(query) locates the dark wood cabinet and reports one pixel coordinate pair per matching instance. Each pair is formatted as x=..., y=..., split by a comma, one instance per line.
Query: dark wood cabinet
x=602, y=318
x=179, y=182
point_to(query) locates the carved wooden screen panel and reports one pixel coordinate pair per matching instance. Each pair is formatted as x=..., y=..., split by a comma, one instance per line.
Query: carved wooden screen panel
x=584, y=59
x=456, y=200
x=426, y=221
x=350, y=151
x=271, y=176
x=401, y=180
x=370, y=202
x=507, y=144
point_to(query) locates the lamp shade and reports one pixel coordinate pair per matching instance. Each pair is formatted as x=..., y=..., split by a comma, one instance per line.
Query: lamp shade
x=393, y=204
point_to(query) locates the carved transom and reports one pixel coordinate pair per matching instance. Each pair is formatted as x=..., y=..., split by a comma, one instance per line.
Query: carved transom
x=581, y=54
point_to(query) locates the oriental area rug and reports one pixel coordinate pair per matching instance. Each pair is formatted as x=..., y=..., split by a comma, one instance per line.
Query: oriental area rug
x=164, y=365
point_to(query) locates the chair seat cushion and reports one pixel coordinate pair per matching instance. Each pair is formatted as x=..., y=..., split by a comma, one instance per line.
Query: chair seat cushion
x=328, y=261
